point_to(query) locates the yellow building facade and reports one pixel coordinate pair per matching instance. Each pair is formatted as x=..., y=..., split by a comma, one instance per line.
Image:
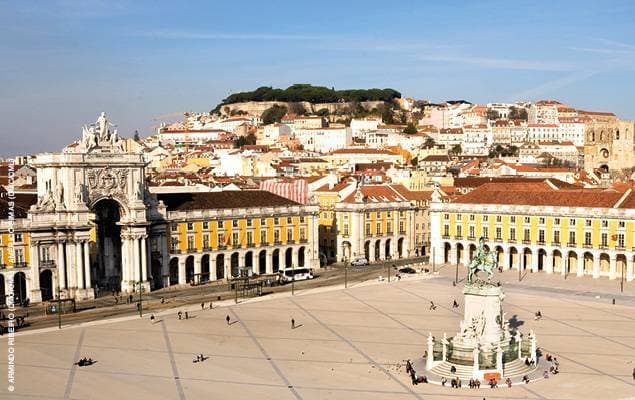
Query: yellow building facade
x=581, y=232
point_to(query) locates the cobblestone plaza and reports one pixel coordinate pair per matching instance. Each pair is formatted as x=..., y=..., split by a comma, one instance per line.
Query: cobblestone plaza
x=347, y=344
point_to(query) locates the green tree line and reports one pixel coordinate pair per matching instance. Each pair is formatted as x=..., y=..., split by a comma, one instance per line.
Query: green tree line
x=312, y=94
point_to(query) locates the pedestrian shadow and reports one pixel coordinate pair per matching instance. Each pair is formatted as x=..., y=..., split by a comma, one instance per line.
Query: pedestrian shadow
x=514, y=322
x=233, y=322
x=298, y=326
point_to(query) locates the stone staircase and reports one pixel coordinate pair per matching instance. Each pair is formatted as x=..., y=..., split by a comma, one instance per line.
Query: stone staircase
x=513, y=369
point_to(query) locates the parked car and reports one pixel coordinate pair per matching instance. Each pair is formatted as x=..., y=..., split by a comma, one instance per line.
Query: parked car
x=359, y=261
x=407, y=270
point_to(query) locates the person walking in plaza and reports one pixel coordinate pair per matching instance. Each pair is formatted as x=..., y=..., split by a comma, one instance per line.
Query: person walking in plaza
x=187, y=316
x=180, y=314
x=152, y=318
x=227, y=318
x=203, y=306
x=455, y=304
x=292, y=323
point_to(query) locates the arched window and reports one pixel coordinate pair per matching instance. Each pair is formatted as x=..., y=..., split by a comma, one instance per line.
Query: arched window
x=617, y=135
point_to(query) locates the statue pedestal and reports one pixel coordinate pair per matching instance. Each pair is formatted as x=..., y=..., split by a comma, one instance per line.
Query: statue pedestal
x=483, y=327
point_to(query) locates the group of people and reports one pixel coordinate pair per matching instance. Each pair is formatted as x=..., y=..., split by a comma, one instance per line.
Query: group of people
x=474, y=384
x=180, y=315
x=554, y=363
x=199, y=358
x=529, y=362
x=84, y=362
x=416, y=379
x=538, y=315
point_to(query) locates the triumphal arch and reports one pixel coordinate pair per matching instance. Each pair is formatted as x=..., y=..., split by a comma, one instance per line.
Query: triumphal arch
x=95, y=223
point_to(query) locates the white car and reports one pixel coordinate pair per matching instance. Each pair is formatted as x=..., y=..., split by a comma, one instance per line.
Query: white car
x=359, y=261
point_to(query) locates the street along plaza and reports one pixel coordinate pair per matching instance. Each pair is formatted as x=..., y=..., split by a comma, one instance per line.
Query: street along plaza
x=347, y=344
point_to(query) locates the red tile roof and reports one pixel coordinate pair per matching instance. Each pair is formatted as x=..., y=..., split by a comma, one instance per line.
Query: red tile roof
x=539, y=194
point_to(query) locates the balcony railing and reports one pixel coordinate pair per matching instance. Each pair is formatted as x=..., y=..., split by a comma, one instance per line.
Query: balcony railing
x=587, y=246
x=191, y=249
x=571, y=244
x=459, y=237
x=277, y=242
x=471, y=237
x=604, y=247
x=175, y=251
x=304, y=240
x=445, y=236
x=47, y=263
x=555, y=243
x=207, y=248
x=541, y=242
x=525, y=241
x=498, y=240
x=222, y=246
x=618, y=247
x=20, y=265
x=511, y=240
x=251, y=244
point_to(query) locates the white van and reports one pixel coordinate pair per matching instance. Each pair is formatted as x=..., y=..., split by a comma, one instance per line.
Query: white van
x=301, y=274
x=359, y=261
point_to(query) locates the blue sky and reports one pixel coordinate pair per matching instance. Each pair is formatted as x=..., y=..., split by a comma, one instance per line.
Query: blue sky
x=63, y=62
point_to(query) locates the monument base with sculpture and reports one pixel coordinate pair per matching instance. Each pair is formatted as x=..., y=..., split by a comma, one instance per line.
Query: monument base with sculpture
x=485, y=347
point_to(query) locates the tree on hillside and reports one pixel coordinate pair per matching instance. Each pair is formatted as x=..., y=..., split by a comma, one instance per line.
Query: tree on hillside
x=387, y=114
x=273, y=114
x=245, y=140
x=456, y=149
x=410, y=129
x=517, y=113
x=493, y=115
x=136, y=137
x=429, y=142
x=322, y=112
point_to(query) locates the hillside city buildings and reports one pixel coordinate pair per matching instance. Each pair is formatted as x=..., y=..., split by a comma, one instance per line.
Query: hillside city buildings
x=219, y=196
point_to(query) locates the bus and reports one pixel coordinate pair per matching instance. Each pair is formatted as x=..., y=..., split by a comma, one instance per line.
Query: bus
x=286, y=275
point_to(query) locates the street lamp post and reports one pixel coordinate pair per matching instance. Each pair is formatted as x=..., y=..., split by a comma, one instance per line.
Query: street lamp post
x=433, y=262
x=345, y=273
x=59, y=308
x=456, y=274
x=292, y=279
x=622, y=280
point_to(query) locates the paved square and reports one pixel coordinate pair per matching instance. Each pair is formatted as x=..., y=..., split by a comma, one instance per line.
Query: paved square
x=347, y=345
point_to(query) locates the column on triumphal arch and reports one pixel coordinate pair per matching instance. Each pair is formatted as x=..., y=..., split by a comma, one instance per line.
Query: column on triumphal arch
x=629, y=267
x=36, y=294
x=79, y=265
x=61, y=265
x=88, y=283
x=143, y=245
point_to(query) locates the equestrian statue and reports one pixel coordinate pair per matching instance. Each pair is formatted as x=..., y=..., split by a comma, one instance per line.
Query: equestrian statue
x=484, y=260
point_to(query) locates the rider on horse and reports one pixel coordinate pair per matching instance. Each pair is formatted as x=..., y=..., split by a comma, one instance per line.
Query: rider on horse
x=483, y=261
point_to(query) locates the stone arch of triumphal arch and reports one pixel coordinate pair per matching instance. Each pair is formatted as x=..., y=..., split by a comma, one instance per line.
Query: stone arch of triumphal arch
x=96, y=216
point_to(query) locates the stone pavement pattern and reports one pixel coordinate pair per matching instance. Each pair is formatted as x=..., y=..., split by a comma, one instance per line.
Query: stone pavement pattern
x=348, y=344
